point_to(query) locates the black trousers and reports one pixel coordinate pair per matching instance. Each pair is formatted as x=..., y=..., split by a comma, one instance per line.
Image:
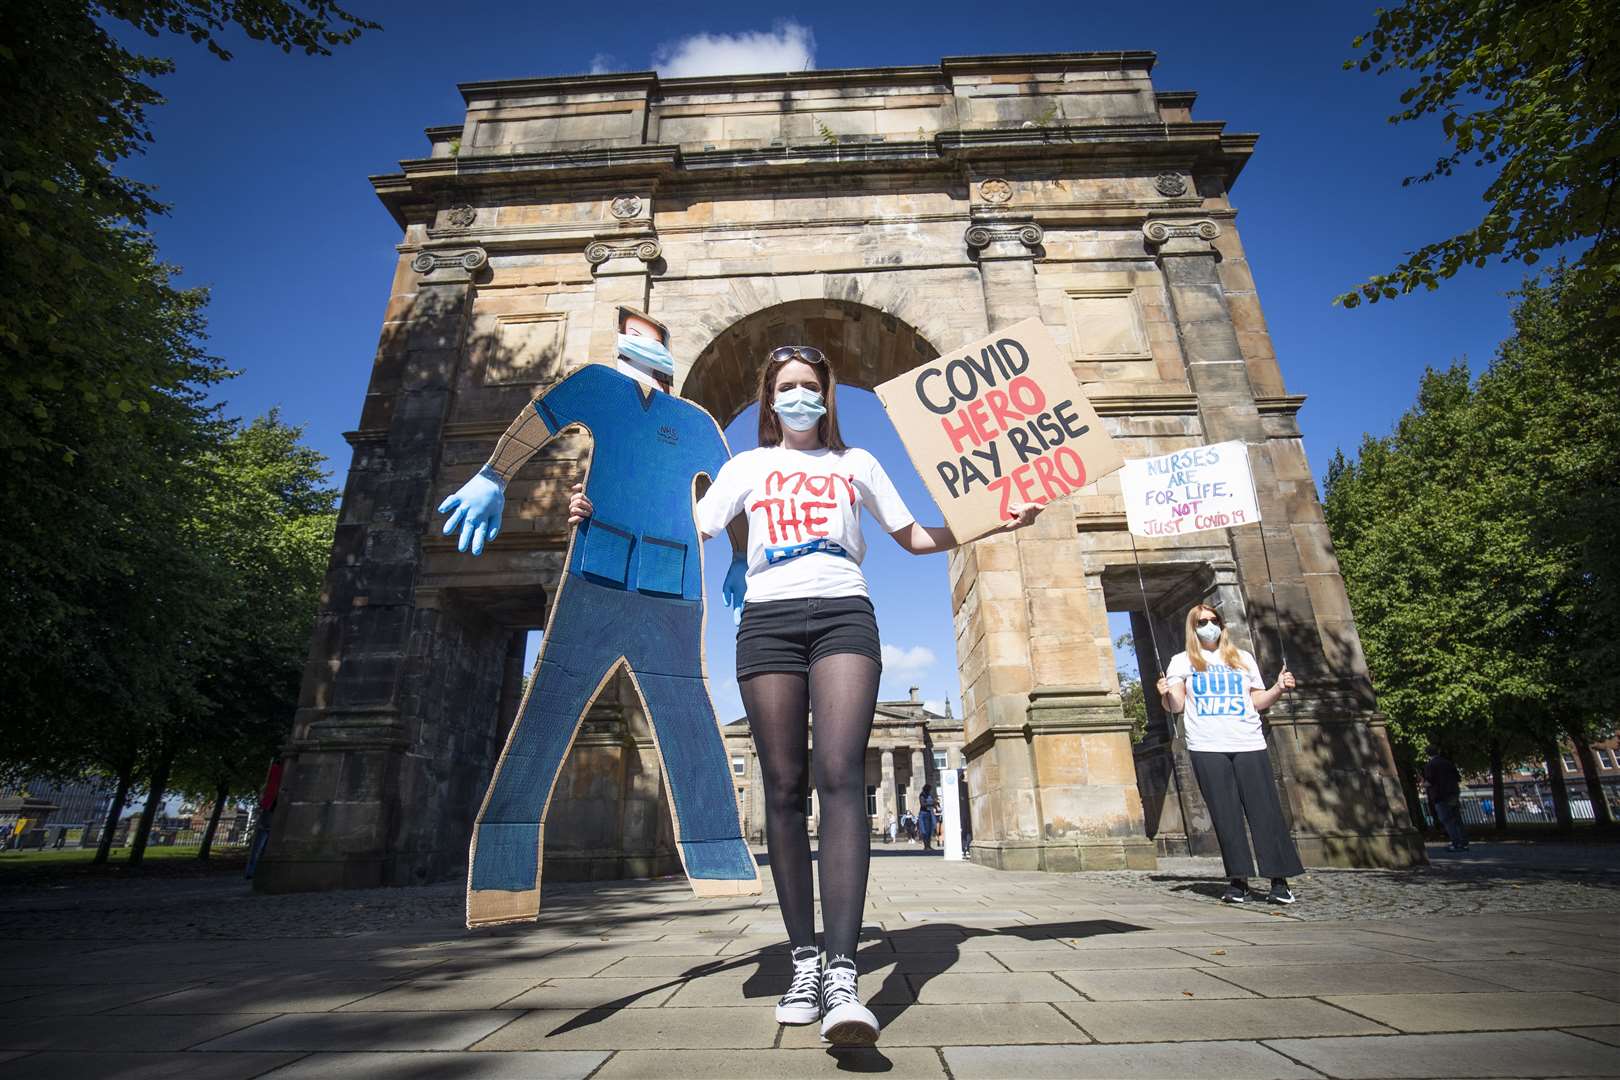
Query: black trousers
x=1236, y=786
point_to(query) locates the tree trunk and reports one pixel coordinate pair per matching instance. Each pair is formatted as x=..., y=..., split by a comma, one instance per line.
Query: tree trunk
x=1407, y=771
x=1498, y=787
x=126, y=776
x=213, y=821
x=1560, y=787
x=154, y=799
x=1601, y=817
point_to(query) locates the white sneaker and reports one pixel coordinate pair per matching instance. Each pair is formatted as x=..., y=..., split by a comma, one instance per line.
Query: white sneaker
x=802, y=1003
x=844, y=1020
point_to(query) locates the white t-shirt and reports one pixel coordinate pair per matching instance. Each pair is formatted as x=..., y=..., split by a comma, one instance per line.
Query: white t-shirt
x=1220, y=715
x=804, y=517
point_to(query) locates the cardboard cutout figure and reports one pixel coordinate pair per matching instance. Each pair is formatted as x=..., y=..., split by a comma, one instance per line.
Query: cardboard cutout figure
x=631, y=593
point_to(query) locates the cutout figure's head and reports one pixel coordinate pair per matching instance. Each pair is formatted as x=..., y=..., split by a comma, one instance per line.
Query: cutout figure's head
x=643, y=350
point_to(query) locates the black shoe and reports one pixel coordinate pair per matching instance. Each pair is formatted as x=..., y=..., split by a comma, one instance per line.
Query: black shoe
x=1237, y=892
x=1280, y=892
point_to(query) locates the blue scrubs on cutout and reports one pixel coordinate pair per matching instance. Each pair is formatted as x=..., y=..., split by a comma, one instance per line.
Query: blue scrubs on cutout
x=632, y=589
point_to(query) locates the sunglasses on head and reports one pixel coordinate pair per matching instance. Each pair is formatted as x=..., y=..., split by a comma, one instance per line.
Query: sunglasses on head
x=808, y=353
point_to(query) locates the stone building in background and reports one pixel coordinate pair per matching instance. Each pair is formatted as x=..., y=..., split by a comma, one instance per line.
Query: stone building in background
x=883, y=215
x=910, y=746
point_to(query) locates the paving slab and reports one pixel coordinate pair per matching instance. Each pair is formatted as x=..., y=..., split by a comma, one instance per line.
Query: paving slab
x=636, y=967
x=446, y=1065
x=1480, y=1012
x=286, y=996
x=967, y=989
x=1534, y=975
x=919, y=962
x=741, y=1026
x=442, y=995
x=119, y=1033
x=365, y=1031
x=1311, y=980
x=956, y=1025
x=1170, y=984
x=1610, y=1035
x=600, y=992
x=1511, y=1053
x=1166, y=1061
x=1189, y=1019
x=569, y=963
x=898, y=1064
x=1151, y=939
x=81, y=1065
x=1094, y=959
x=83, y=1000
x=1277, y=955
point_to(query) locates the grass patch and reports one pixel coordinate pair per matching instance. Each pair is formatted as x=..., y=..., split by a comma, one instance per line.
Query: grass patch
x=27, y=869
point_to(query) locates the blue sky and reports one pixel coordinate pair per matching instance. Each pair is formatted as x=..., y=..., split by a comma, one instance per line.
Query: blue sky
x=265, y=161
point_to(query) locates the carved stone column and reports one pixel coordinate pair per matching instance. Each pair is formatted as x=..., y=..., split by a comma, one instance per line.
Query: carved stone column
x=886, y=792
x=1328, y=744
x=919, y=777
x=394, y=735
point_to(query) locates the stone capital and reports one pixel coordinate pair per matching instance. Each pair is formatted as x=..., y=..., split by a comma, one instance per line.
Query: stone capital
x=450, y=266
x=642, y=248
x=1004, y=238
x=1182, y=236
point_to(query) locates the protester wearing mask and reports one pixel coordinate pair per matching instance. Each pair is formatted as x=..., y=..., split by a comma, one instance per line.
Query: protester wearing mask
x=1219, y=689
x=808, y=645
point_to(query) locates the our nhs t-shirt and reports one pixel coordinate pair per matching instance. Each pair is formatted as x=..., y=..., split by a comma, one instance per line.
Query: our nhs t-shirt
x=804, y=517
x=1220, y=715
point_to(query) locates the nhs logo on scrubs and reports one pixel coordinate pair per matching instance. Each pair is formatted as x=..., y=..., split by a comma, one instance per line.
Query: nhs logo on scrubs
x=1220, y=691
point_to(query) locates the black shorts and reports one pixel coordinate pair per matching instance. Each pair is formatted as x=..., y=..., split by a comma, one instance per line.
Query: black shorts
x=791, y=635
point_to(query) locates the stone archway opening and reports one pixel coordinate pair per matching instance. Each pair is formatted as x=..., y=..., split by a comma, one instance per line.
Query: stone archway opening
x=867, y=347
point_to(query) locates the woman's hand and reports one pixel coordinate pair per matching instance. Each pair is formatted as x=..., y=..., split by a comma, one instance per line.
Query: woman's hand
x=1164, y=685
x=1022, y=514
x=579, y=506
x=1285, y=680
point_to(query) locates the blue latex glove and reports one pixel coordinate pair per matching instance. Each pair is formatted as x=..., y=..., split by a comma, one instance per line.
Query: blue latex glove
x=477, y=510
x=735, y=587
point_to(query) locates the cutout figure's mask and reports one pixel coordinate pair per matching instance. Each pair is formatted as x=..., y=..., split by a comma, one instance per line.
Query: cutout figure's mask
x=642, y=350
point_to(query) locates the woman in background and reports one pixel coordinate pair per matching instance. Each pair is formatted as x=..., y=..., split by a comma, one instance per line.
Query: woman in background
x=1219, y=689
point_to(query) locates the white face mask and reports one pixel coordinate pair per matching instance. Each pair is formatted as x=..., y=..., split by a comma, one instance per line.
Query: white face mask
x=1208, y=634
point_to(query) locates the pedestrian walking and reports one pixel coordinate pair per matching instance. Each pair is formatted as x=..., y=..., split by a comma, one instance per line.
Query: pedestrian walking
x=1445, y=795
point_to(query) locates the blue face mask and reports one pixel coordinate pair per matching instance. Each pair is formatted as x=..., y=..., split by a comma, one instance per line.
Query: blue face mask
x=800, y=408
x=648, y=352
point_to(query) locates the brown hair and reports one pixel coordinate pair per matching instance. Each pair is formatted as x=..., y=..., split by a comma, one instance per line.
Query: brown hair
x=1195, y=648
x=770, y=425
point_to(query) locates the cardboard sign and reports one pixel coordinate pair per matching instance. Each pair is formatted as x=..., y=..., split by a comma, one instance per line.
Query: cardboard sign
x=997, y=422
x=1203, y=487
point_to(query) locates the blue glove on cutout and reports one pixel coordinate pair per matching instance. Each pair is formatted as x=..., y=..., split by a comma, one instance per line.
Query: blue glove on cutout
x=477, y=510
x=735, y=587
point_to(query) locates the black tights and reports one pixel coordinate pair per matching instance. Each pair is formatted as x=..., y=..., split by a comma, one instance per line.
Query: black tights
x=841, y=692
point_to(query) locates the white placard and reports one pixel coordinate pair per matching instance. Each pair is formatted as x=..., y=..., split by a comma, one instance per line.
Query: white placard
x=1192, y=490
x=950, y=805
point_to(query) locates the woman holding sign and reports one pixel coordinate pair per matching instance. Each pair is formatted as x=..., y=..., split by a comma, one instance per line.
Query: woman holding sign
x=1220, y=690
x=808, y=644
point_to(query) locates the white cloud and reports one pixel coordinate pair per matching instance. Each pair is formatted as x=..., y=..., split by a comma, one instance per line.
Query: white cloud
x=788, y=47
x=602, y=63
x=912, y=661
x=935, y=705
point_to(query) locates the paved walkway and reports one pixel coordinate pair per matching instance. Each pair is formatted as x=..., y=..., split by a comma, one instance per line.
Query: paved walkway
x=974, y=973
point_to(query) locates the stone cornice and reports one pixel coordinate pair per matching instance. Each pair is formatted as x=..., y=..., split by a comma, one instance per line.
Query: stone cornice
x=1042, y=63
x=1198, y=145
x=561, y=84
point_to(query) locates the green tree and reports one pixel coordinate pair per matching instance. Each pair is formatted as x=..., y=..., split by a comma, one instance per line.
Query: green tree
x=1529, y=89
x=104, y=426
x=1476, y=545
x=267, y=525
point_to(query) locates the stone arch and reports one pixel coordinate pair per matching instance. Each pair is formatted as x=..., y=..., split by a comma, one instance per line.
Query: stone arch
x=867, y=346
